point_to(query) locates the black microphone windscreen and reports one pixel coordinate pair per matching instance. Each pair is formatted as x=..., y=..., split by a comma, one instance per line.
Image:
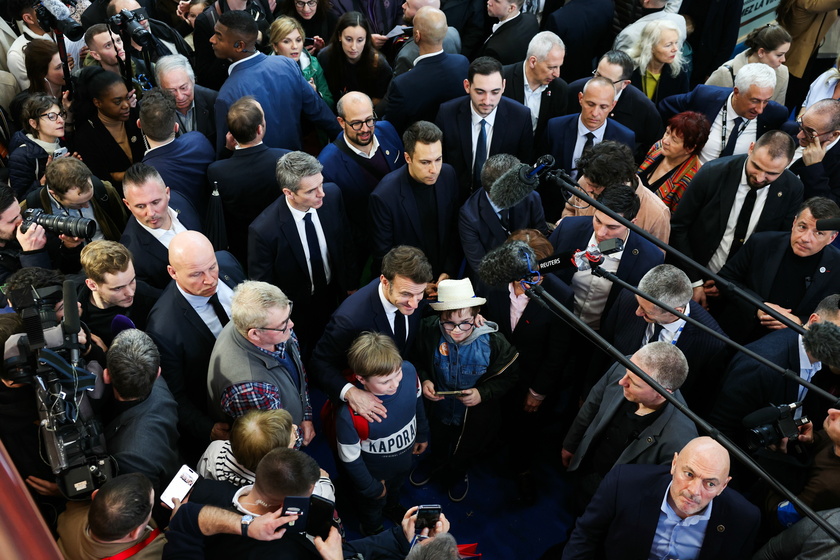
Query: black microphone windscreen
x=71, y=323
x=761, y=416
x=822, y=341
x=507, y=263
x=828, y=224
x=512, y=187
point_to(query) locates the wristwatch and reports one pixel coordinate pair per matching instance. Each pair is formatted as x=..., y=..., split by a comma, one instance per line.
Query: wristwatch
x=245, y=521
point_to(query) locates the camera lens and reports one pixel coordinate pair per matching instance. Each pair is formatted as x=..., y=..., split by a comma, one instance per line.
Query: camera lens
x=68, y=225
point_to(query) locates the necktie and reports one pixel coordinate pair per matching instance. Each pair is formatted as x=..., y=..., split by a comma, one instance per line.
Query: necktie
x=653, y=332
x=743, y=222
x=319, y=276
x=219, y=309
x=729, y=149
x=590, y=141
x=480, y=155
x=399, y=330
x=504, y=217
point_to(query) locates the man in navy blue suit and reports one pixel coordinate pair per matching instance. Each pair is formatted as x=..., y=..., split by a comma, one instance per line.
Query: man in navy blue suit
x=819, y=166
x=509, y=40
x=567, y=137
x=157, y=215
x=364, y=152
x=739, y=116
x=503, y=124
x=184, y=323
x=437, y=76
x=389, y=305
x=246, y=180
x=417, y=204
x=639, y=510
x=314, y=273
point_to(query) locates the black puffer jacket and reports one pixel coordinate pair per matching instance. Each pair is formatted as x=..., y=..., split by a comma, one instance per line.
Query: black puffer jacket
x=27, y=164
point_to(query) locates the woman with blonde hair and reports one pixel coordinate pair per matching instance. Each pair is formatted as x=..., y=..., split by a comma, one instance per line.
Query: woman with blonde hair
x=659, y=63
x=286, y=36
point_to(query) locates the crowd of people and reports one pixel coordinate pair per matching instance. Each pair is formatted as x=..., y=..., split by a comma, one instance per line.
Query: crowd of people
x=266, y=205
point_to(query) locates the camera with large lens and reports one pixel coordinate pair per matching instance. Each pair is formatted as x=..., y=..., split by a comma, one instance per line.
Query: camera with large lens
x=54, y=14
x=127, y=23
x=73, y=226
x=768, y=426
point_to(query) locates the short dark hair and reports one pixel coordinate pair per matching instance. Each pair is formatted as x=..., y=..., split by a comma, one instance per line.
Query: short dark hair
x=68, y=173
x=496, y=166
x=484, y=65
x=240, y=23
x=693, y=128
x=620, y=58
x=133, y=363
x=407, y=261
x=7, y=197
x=157, y=114
x=777, y=143
x=35, y=277
x=829, y=307
x=34, y=107
x=607, y=163
x=139, y=173
x=423, y=132
x=243, y=119
x=621, y=199
x=285, y=472
x=93, y=31
x=121, y=505
x=17, y=7
x=821, y=208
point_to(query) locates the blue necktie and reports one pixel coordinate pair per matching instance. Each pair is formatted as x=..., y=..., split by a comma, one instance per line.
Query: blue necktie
x=319, y=276
x=480, y=155
x=729, y=149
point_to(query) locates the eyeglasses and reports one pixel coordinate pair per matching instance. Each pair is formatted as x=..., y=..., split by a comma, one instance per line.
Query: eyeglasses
x=284, y=327
x=812, y=134
x=449, y=326
x=309, y=4
x=357, y=125
x=597, y=75
x=53, y=116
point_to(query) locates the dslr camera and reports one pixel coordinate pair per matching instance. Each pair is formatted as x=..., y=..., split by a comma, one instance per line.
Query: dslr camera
x=768, y=426
x=73, y=226
x=127, y=23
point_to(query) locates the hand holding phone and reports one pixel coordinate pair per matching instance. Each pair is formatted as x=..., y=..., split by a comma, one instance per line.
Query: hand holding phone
x=448, y=393
x=180, y=486
x=427, y=517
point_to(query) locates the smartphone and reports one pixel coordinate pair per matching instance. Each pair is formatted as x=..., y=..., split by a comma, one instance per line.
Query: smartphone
x=180, y=486
x=61, y=152
x=427, y=516
x=320, y=517
x=448, y=393
x=309, y=41
x=300, y=506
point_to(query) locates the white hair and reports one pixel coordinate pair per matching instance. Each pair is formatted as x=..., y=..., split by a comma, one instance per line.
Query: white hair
x=755, y=74
x=642, y=50
x=543, y=43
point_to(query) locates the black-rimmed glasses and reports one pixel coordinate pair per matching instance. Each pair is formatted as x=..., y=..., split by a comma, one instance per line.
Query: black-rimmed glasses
x=357, y=125
x=53, y=116
x=285, y=325
x=466, y=326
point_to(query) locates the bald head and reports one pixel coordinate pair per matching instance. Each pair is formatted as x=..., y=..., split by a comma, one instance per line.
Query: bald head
x=429, y=27
x=411, y=7
x=700, y=472
x=192, y=263
x=353, y=101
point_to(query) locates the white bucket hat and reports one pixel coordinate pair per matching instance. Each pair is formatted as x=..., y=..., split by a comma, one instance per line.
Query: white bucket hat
x=456, y=294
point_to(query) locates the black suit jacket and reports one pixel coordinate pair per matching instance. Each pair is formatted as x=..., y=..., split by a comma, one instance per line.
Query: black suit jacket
x=205, y=115
x=510, y=41
x=634, y=110
x=247, y=185
x=185, y=344
x=150, y=257
x=417, y=94
x=586, y=28
x=668, y=84
x=823, y=178
x=698, y=224
x=553, y=100
x=621, y=519
x=511, y=135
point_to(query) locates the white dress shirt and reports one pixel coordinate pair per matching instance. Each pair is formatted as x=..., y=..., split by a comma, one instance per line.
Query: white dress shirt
x=297, y=215
x=475, y=119
x=581, y=142
x=717, y=140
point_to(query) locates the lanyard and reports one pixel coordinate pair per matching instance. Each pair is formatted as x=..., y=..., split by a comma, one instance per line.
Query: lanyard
x=741, y=128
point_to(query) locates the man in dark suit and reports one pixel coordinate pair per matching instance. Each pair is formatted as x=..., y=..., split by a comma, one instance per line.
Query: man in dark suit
x=536, y=82
x=634, y=321
x=182, y=161
x=195, y=103
x=364, y=152
x=585, y=27
x=790, y=272
x=315, y=273
x=503, y=124
x=509, y=40
x=739, y=116
x=409, y=49
x=157, y=215
x=819, y=166
x=704, y=226
x=483, y=225
x=635, y=513
x=388, y=305
x=567, y=137
x=632, y=108
x=436, y=78
x=184, y=323
x=246, y=181
x=417, y=204
x=594, y=296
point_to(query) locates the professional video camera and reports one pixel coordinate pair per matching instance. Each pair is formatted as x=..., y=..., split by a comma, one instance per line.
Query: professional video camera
x=48, y=358
x=74, y=226
x=54, y=15
x=128, y=25
x=768, y=426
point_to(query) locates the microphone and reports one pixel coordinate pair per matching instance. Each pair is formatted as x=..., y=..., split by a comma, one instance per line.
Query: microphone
x=762, y=416
x=515, y=184
x=71, y=323
x=822, y=341
x=828, y=224
x=63, y=20
x=507, y=263
x=121, y=323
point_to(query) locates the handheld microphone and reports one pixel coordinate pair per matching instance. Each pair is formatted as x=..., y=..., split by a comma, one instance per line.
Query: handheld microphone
x=543, y=164
x=71, y=323
x=828, y=224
